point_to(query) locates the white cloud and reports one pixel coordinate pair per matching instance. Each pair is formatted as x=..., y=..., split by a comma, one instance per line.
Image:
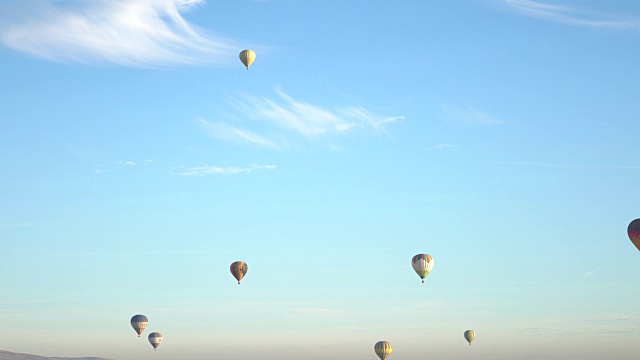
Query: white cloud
x=284, y=116
x=470, y=117
x=289, y=114
x=590, y=273
x=571, y=16
x=231, y=133
x=125, y=32
x=440, y=146
x=367, y=118
x=231, y=170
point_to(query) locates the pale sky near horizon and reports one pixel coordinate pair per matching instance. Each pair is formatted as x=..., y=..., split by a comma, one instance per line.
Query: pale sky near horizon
x=139, y=159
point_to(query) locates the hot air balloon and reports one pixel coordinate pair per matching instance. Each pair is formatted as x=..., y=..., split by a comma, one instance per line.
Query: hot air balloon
x=382, y=349
x=422, y=264
x=247, y=57
x=155, y=338
x=469, y=335
x=139, y=323
x=239, y=270
x=634, y=232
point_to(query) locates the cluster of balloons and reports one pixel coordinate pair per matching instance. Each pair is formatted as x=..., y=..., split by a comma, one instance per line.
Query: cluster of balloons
x=139, y=323
x=238, y=268
x=383, y=348
x=422, y=264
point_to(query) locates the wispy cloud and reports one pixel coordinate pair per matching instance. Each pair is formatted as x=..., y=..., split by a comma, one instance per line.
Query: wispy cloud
x=469, y=117
x=125, y=32
x=216, y=170
x=132, y=163
x=296, y=116
x=231, y=133
x=440, y=146
x=590, y=273
x=283, y=116
x=571, y=15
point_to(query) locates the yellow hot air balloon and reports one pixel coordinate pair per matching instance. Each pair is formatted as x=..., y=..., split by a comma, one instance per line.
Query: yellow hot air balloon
x=469, y=335
x=383, y=349
x=247, y=57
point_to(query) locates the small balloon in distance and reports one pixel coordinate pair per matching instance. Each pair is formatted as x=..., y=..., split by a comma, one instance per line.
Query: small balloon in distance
x=155, y=338
x=239, y=270
x=422, y=264
x=383, y=349
x=139, y=323
x=247, y=57
x=469, y=335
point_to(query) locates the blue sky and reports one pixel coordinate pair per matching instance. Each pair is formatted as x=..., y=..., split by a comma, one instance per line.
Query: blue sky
x=139, y=159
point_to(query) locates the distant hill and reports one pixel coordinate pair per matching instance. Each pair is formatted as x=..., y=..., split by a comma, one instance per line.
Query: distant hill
x=6, y=355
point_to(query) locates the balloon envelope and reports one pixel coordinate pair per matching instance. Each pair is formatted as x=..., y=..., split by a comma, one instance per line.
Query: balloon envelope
x=155, y=338
x=239, y=270
x=247, y=57
x=469, y=335
x=634, y=232
x=139, y=323
x=422, y=265
x=382, y=349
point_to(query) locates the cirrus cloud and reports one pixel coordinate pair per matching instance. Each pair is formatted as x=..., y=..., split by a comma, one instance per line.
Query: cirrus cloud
x=217, y=170
x=572, y=16
x=125, y=32
x=283, y=116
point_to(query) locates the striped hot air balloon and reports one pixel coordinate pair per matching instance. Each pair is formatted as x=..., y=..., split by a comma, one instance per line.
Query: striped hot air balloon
x=139, y=323
x=155, y=338
x=422, y=265
x=382, y=349
x=239, y=270
x=634, y=232
x=470, y=335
